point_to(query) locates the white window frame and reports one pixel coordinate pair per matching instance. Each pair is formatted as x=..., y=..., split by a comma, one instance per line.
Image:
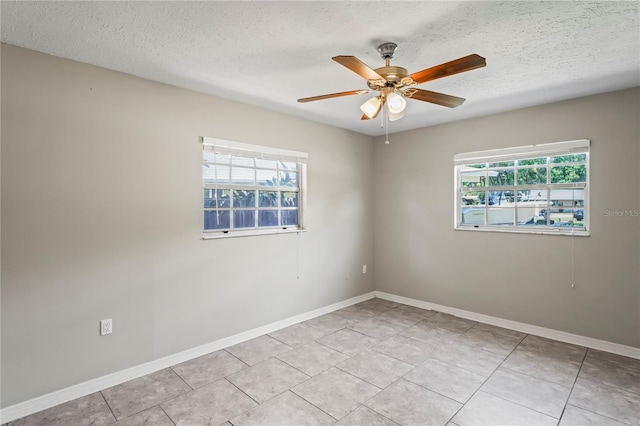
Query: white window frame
x=515, y=154
x=259, y=152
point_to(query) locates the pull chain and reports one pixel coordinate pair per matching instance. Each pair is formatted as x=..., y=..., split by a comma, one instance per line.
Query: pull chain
x=386, y=141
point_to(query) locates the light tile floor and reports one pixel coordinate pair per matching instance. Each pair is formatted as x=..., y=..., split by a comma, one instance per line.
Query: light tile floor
x=375, y=363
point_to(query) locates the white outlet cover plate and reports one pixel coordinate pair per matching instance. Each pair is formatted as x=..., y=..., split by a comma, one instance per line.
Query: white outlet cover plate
x=106, y=327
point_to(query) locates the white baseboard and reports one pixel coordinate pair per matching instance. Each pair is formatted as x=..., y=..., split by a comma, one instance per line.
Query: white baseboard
x=549, y=333
x=52, y=399
x=61, y=396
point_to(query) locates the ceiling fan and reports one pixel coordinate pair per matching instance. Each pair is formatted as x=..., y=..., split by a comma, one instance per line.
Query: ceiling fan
x=394, y=84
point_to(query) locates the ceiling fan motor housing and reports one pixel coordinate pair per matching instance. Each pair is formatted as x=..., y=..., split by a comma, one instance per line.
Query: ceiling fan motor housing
x=392, y=75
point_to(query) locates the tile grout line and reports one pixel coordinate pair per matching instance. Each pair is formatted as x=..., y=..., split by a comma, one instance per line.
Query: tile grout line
x=108, y=406
x=310, y=376
x=573, y=385
x=598, y=414
x=486, y=380
x=225, y=349
x=333, y=366
x=182, y=379
x=167, y=414
x=249, y=396
x=534, y=377
x=311, y=403
x=346, y=372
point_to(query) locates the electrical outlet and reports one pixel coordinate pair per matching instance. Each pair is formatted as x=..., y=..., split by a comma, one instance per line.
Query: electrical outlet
x=364, y=269
x=106, y=327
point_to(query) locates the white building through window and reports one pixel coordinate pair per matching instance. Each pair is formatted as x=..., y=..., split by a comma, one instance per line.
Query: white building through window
x=252, y=189
x=537, y=189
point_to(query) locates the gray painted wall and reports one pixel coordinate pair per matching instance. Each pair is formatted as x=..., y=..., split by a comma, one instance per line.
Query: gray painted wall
x=101, y=218
x=101, y=199
x=518, y=277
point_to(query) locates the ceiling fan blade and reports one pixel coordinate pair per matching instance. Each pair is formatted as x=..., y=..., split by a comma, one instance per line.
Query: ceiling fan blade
x=357, y=66
x=333, y=95
x=437, y=98
x=467, y=63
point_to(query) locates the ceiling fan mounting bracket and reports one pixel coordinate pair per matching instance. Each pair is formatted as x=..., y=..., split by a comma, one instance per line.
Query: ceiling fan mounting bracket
x=387, y=50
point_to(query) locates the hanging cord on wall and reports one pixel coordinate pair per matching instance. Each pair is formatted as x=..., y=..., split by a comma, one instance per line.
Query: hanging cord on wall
x=573, y=259
x=298, y=255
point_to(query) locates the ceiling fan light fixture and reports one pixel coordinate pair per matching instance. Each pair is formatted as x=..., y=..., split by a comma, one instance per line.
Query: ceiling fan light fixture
x=393, y=116
x=371, y=107
x=395, y=103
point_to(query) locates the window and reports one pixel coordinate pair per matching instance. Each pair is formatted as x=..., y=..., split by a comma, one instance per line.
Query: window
x=536, y=189
x=252, y=189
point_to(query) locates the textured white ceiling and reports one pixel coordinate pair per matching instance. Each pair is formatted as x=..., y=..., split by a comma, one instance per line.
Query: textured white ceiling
x=271, y=53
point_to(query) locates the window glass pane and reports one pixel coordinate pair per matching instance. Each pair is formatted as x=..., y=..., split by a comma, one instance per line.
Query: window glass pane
x=471, y=198
x=531, y=215
x=477, y=166
x=210, y=198
x=471, y=177
x=500, y=216
x=216, y=220
x=473, y=216
x=267, y=164
x=222, y=198
x=288, y=165
x=266, y=177
x=533, y=196
x=289, y=179
x=223, y=158
x=242, y=176
x=289, y=199
x=567, y=218
x=208, y=156
x=569, y=158
x=532, y=176
x=482, y=198
x=210, y=172
x=267, y=198
x=569, y=174
x=243, y=161
x=567, y=198
x=244, y=218
x=578, y=218
x=244, y=199
x=267, y=218
x=532, y=161
x=503, y=164
x=289, y=217
x=501, y=177
x=501, y=198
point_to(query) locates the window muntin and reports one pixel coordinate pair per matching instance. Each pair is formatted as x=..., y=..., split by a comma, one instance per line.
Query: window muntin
x=539, y=189
x=251, y=189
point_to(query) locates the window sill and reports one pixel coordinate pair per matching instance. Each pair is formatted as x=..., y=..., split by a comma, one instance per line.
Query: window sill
x=557, y=231
x=250, y=233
